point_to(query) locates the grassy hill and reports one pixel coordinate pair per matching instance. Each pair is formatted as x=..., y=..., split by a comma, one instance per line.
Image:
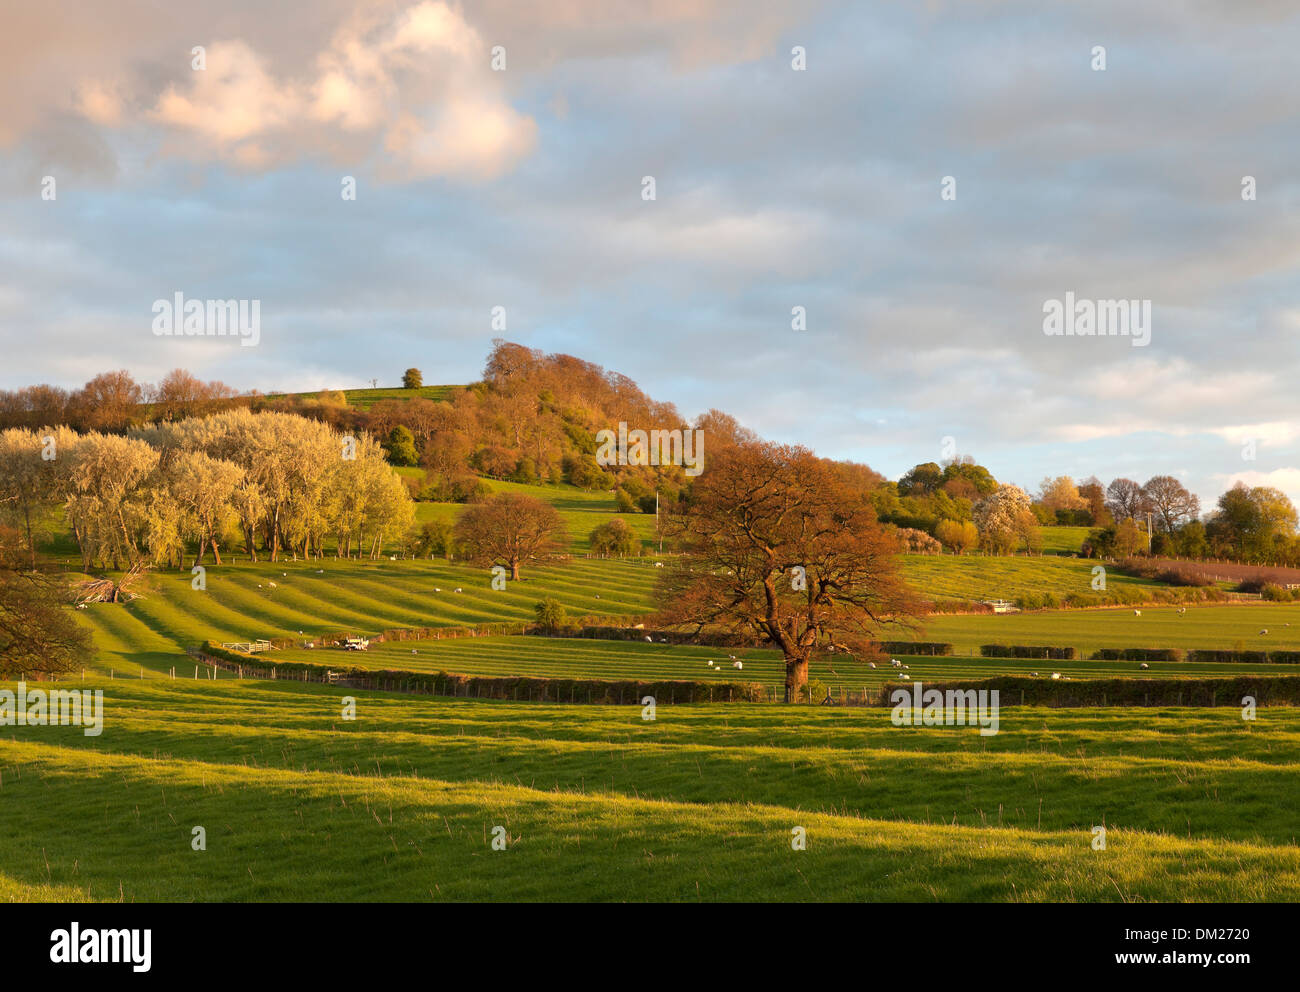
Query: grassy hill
x=600, y=805
x=364, y=399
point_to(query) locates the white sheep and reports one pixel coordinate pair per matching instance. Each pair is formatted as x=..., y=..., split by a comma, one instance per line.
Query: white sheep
x=906, y=678
x=1137, y=613
x=738, y=664
x=872, y=664
x=649, y=639
x=459, y=589
x=1035, y=674
x=1264, y=631
x=1144, y=666
x=659, y=564
x=895, y=662
x=1056, y=675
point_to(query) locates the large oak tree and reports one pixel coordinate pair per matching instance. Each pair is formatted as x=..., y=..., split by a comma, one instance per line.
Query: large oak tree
x=778, y=545
x=508, y=529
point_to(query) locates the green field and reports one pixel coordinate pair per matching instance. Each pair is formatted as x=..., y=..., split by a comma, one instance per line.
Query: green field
x=1214, y=626
x=362, y=597
x=984, y=577
x=580, y=658
x=364, y=399
x=600, y=805
x=580, y=512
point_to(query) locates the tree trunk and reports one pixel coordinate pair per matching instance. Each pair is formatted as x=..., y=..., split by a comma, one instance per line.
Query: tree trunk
x=796, y=677
x=514, y=570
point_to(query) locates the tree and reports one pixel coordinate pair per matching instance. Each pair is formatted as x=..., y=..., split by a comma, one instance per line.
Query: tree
x=614, y=538
x=401, y=447
x=1170, y=501
x=760, y=512
x=1093, y=494
x=109, y=401
x=550, y=613
x=921, y=480
x=1005, y=518
x=412, y=379
x=37, y=631
x=1125, y=499
x=1060, y=494
x=959, y=535
x=508, y=529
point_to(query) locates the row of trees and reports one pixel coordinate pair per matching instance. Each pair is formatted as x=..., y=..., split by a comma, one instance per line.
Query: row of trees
x=114, y=402
x=279, y=481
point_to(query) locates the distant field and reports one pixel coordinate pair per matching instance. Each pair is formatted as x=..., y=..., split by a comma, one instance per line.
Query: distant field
x=583, y=658
x=364, y=399
x=362, y=597
x=981, y=577
x=600, y=805
x=580, y=512
x=1063, y=540
x=1157, y=627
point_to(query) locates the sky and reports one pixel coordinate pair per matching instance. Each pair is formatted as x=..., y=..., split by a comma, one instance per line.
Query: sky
x=921, y=178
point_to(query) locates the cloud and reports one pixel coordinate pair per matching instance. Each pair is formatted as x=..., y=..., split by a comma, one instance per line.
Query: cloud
x=418, y=87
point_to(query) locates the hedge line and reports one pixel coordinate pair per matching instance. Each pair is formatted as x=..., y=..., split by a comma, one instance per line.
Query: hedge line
x=919, y=648
x=489, y=687
x=1267, y=690
x=1137, y=654
x=1246, y=657
x=1027, y=651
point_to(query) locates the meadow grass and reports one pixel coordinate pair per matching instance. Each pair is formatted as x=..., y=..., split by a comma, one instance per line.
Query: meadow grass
x=601, y=805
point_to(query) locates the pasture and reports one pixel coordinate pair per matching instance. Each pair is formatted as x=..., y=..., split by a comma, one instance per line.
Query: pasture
x=598, y=804
x=581, y=658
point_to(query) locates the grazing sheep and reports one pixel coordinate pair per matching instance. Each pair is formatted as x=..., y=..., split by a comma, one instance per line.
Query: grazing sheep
x=659, y=564
x=320, y=571
x=907, y=678
x=649, y=639
x=1035, y=674
x=731, y=657
x=1264, y=631
x=273, y=585
x=709, y=663
x=458, y=589
x=872, y=664
x=284, y=575
x=259, y=585
x=663, y=640
x=1182, y=610
x=1137, y=613
x=738, y=664
x=907, y=666
x=895, y=662
x=436, y=589
x=1056, y=675
x=1144, y=666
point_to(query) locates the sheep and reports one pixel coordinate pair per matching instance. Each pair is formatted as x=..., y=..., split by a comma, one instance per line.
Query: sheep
x=1264, y=631
x=709, y=663
x=273, y=585
x=737, y=664
x=895, y=662
x=458, y=589
x=1144, y=666
x=649, y=639
x=872, y=664
x=659, y=564
x=1056, y=675
x=320, y=571
x=1137, y=613
x=906, y=678
x=1035, y=674
x=284, y=575
x=259, y=585
x=907, y=666
x=436, y=589
x=663, y=640
x=1182, y=610
x=731, y=657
